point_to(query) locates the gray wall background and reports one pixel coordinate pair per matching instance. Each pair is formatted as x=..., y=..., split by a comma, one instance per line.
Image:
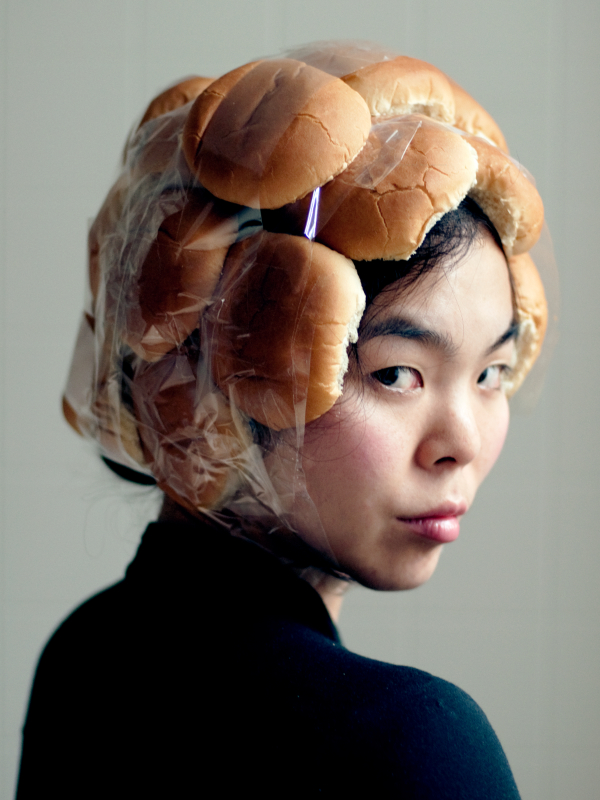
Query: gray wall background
x=511, y=615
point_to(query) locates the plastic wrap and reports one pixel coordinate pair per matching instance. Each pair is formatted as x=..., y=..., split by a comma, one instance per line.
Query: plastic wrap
x=223, y=294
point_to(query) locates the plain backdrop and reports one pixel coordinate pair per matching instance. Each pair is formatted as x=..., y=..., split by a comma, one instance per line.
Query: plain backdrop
x=511, y=615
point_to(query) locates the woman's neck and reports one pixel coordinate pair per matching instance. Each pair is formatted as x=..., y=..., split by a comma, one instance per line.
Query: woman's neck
x=331, y=589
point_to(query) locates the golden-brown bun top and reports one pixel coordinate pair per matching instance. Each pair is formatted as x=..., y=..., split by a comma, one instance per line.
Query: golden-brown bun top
x=222, y=290
x=272, y=131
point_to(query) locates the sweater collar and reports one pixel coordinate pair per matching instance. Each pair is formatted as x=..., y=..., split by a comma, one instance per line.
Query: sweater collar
x=203, y=560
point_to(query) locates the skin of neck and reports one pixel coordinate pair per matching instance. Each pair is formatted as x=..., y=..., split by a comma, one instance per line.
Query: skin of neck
x=330, y=588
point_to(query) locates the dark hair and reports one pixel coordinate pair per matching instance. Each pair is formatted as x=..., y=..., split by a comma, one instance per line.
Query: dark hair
x=448, y=241
x=128, y=474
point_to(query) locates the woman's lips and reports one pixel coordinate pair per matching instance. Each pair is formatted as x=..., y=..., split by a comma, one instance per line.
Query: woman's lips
x=441, y=525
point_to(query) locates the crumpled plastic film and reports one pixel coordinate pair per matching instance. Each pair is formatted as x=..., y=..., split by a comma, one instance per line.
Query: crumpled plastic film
x=223, y=293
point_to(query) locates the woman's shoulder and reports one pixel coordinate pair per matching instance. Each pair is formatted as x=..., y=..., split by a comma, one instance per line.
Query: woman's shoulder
x=396, y=729
x=303, y=658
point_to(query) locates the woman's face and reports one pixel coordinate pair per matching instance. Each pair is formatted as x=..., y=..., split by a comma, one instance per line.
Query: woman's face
x=398, y=460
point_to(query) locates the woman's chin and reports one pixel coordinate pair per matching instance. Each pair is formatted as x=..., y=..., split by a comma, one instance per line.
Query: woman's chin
x=402, y=576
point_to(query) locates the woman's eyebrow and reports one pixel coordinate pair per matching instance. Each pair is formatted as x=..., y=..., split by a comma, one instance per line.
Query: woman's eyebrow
x=399, y=326
x=510, y=333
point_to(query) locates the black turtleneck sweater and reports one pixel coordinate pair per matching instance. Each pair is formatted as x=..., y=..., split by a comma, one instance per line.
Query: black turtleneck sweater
x=212, y=671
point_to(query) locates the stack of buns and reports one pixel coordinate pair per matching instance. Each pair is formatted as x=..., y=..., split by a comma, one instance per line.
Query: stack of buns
x=223, y=289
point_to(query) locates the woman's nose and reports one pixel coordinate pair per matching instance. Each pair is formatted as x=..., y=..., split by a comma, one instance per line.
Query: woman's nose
x=452, y=436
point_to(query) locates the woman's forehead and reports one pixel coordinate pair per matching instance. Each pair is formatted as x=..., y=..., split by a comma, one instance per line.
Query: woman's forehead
x=475, y=291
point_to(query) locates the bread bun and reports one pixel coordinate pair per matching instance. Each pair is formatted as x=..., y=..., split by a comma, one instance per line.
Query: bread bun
x=287, y=310
x=179, y=275
x=469, y=116
x=508, y=197
x=206, y=104
x=404, y=86
x=176, y=96
x=410, y=173
x=532, y=312
x=272, y=131
x=194, y=447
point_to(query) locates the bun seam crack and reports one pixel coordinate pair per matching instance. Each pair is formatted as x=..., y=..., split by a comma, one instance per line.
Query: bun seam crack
x=319, y=122
x=382, y=217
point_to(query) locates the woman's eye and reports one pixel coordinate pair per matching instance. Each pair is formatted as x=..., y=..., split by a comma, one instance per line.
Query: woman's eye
x=403, y=379
x=491, y=377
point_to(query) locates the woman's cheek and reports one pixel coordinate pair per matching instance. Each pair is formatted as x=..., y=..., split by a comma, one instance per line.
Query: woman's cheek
x=497, y=429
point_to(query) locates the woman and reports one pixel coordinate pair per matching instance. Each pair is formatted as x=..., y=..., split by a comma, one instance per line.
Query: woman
x=310, y=301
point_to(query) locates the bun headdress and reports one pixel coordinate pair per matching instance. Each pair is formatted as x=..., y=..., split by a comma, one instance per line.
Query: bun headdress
x=223, y=293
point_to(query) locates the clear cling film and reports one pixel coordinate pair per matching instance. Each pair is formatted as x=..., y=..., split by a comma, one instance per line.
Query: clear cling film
x=224, y=294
